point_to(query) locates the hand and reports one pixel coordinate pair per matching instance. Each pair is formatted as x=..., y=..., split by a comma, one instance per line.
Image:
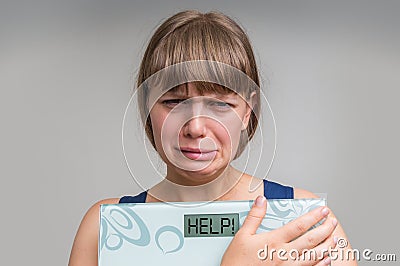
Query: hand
x=247, y=246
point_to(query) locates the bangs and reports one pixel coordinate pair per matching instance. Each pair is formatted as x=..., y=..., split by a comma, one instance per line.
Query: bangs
x=200, y=39
x=202, y=88
x=192, y=37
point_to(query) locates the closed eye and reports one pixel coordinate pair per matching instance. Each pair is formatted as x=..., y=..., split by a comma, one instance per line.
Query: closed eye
x=172, y=102
x=220, y=104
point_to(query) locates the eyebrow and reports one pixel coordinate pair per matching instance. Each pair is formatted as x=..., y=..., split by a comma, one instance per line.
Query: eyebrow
x=183, y=90
x=178, y=91
x=219, y=96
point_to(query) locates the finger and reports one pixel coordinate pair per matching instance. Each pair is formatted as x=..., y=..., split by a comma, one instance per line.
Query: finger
x=324, y=262
x=324, y=248
x=255, y=216
x=301, y=224
x=314, y=237
x=316, y=255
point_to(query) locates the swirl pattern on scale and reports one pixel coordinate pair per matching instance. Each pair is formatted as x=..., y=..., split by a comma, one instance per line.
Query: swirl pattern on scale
x=119, y=230
x=281, y=212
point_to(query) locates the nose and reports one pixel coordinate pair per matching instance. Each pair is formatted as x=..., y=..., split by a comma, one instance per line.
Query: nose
x=195, y=128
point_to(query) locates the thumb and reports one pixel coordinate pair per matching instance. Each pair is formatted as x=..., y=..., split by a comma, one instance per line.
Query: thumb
x=255, y=216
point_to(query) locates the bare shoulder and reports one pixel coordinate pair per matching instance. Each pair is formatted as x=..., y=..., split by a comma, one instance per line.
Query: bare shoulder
x=303, y=194
x=84, y=249
x=91, y=217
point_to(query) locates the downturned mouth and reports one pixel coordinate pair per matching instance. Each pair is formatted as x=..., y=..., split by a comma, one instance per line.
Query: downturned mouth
x=198, y=154
x=195, y=150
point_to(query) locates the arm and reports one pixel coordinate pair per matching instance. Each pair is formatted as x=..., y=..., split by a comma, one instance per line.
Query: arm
x=84, y=249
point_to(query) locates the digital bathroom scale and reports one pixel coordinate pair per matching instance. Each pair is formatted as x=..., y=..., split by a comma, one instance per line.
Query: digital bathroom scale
x=190, y=233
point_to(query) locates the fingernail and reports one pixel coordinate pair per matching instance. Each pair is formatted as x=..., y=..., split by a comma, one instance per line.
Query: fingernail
x=260, y=200
x=327, y=261
x=325, y=211
x=334, y=221
x=335, y=239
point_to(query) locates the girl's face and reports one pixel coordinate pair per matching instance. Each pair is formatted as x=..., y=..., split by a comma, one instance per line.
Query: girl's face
x=197, y=135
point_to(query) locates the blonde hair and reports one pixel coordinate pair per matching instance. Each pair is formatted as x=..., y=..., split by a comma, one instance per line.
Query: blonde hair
x=192, y=35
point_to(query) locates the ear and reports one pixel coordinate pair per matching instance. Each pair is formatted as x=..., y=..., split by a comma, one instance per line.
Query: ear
x=249, y=107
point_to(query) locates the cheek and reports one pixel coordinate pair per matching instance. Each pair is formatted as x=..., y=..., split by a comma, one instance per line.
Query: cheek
x=164, y=130
x=229, y=133
x=157, y=122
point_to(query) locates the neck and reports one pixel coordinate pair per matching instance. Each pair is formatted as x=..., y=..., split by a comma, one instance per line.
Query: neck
x=218, y=187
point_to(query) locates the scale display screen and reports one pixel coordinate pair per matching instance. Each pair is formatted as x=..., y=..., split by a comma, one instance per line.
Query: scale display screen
x=211, y=225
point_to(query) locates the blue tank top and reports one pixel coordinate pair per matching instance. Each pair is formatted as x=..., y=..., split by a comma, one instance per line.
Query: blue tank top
x=272, y=190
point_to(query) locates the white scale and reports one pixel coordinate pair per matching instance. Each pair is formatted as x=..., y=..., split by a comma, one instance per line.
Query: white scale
x=186, y=234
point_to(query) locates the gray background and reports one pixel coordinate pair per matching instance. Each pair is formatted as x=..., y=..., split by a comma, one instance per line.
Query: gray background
x=66, y=71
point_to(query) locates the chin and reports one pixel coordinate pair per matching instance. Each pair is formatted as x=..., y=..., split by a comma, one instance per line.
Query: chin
x=202, y=176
